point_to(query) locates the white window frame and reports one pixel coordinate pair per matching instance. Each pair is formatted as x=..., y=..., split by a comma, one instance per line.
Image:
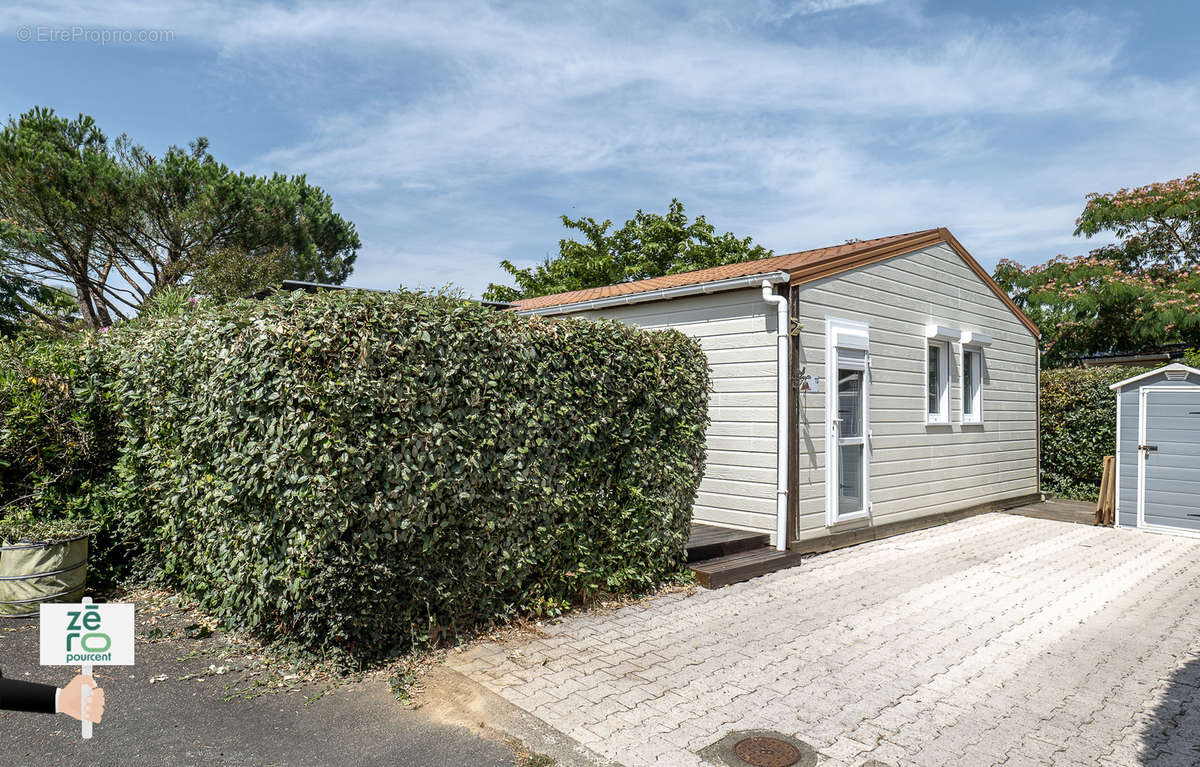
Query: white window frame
x=845, y=334
x=939, y=337
x=942, y=417
x=977, y=380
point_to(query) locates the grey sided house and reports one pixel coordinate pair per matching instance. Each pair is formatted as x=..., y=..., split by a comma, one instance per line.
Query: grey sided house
x=1158, y=450
x=858, y=390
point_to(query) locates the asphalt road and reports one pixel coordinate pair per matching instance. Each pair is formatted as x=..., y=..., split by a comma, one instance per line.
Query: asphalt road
x=175, y=721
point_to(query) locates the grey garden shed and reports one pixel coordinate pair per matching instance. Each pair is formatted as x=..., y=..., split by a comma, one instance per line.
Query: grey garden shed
x=1158, y=450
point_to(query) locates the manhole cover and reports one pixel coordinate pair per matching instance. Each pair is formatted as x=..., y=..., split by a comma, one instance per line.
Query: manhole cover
x=767, y=752
x=759, y=748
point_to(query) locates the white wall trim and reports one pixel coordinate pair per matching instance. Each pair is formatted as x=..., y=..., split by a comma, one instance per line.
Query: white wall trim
x=1037, y=417
x=848, y=334
x=942, y=333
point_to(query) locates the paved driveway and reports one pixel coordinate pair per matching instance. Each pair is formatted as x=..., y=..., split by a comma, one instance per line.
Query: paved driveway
x=997, y=640
x=169, y=710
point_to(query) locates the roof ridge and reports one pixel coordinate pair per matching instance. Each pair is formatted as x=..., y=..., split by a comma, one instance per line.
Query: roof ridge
x=736, y=269
x=870, y=241
x=802, y=267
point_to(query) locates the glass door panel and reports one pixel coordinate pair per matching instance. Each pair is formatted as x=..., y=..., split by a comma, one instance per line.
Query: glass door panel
x=850, y=402
x=851, y=442
x=850, y=485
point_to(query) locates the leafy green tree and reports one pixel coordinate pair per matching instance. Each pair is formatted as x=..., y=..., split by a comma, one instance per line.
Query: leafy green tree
x=648, y=245
x=1139, y=293
x=1158, y=224
x=57, y=182
x=52, y=312
x=187, y=215
x=15, y=295
x=1092, y=304
x=28, y=308
x=117, y=224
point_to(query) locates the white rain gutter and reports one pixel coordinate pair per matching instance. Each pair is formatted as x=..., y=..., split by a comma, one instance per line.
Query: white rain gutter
x=716, y=286
x=1037, y=383
x=781, y=419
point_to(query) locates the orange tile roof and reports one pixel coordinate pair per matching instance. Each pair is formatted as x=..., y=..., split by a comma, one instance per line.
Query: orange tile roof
x=804, y=266
x=742, y=269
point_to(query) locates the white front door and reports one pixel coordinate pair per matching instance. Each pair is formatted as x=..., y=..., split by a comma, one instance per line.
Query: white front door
x=848, y=416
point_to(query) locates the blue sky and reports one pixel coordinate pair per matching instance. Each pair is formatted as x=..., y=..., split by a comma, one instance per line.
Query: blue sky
x=455, y=134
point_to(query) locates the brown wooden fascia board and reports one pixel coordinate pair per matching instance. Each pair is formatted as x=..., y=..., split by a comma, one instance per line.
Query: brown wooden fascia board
x=856, y=259
x=834, y=266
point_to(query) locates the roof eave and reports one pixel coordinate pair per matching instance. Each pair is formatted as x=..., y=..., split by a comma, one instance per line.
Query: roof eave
x=661, y=294
x=1174, y=366
x=801, y=274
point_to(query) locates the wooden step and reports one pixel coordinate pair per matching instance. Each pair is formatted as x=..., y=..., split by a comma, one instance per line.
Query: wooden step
x=710, y=542
x=735, y=568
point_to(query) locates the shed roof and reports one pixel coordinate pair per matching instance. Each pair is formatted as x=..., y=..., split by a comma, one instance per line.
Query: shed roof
x=1175, y=367
x=801, y=267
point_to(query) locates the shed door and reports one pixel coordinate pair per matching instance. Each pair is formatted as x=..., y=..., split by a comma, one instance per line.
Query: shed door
x=1170, y=458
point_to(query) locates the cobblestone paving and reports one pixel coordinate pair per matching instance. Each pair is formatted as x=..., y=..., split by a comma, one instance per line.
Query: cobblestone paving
x=997, y=640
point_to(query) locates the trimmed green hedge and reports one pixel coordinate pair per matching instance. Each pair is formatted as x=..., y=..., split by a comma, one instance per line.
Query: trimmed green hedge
x=356, y=472
x=1079, y=428
x=58, y=445
x=55, y=437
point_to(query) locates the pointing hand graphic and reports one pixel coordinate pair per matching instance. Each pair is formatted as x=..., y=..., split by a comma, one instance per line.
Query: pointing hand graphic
x=70, y=698
x=19, y=695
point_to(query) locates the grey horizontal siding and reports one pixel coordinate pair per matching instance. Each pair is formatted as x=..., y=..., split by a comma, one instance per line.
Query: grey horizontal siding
x=1127, y=458
x=918, y=469
x=736, y=329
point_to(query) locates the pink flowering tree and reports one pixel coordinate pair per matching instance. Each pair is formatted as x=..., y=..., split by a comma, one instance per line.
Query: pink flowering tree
x=1139, y=293
x=1092, y=304
x=1158, y=224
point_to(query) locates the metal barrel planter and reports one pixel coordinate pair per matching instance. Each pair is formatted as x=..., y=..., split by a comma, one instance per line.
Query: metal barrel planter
x=33, y=572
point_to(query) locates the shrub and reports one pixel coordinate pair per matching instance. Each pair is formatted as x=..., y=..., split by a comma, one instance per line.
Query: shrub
x=356, y=472
x=1079, y=428
x=48, y=445
x=21, y=529
x=58, y=445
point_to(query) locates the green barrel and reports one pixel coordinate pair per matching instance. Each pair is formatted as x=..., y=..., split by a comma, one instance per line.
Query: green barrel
x=32, y=573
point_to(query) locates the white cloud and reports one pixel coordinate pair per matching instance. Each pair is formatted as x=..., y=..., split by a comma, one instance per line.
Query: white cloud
x=499, y=118
x=810, y=7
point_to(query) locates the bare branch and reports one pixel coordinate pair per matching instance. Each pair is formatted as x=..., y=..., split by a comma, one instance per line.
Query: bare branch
x=1187, y=251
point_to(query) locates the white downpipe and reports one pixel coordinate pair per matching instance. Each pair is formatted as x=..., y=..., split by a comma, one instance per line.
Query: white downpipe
x=1038, y=471
x=781, y=386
